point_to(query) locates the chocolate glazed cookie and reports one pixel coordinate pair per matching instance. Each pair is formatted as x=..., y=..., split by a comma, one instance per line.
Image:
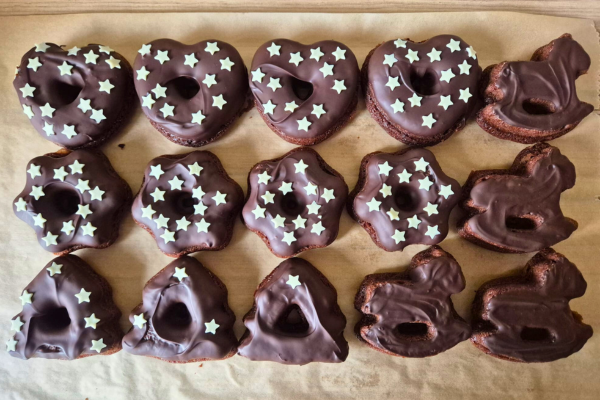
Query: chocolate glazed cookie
x=421, y=92
x=73, y=200
x=527, y=318
x=295, y=318
x=305, y=93
x=410, y=314
x=191, y=94
x=75, y=98
x=518, y=210
x=68, y=313
x=534, y=101
x=188, y=203
x=403, y=198
x=184, y=316
x=294, y=202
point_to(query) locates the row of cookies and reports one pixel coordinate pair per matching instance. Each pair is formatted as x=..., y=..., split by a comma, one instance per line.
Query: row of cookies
x=419, y=92
x=68, y=313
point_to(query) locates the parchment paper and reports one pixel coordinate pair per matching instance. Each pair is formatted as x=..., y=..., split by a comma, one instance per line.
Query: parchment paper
x=460, y=373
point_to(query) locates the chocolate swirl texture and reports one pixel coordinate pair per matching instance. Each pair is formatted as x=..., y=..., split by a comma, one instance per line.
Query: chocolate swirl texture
x=410, y=313
x=403, y=198
x=75, y=98
x=68, y=313
x=305, y=93
x=295, y=318
x=518, y=210
x=188, y=203
x=527, y=318
x=191, y=94
x=184, y=316
x=422, y=92
x=294, y=202
x=73, y=200
x=534, y=101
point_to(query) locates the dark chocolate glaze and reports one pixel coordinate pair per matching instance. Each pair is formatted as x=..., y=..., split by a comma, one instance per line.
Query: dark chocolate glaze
x=62, y=200
x=65, y=93
x=405, y=198
x=549, y=78
x=173, y=334
x=295, y=323
x=189, y=97
x=336, y=105
x=422, y=77
x=419, y=295
x=197, y=189
x=54, y=322
x=527, y=318
x=530, y=189
x=297, y=203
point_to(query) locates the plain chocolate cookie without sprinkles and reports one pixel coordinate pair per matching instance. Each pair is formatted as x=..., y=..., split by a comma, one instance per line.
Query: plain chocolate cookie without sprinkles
x=68, y=313
x=76, y=98
x=305, y=93
x=191, y=94
x=534, y=101
x=421, y=92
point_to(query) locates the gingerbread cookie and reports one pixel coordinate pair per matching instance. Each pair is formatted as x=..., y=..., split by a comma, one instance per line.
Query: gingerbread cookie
x=192, y=94
x=294, y=202
x=534, y=101
x=410, y=314
x=188, y=203
x=305, y=93
x=73, y=200
x=403, y=198
x=184, y=316
x=527, y=318
x=421, y=92
x=295, y=318
x=68, y=313
x=76, y=98
x=518, y=210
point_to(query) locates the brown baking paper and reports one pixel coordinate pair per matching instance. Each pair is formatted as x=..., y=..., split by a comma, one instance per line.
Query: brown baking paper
x=463, y=372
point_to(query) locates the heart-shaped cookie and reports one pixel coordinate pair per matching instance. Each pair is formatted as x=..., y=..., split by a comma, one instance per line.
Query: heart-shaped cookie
x=191, y=93
x=76, y=98
x=305, y=93
x=421, y=93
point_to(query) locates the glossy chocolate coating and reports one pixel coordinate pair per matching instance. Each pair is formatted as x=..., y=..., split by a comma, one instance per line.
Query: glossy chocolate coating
x=423, y=78
x=549, y=78
x=419, y=295
x=54, y=325
x=408, y=199
x=65, y=93
x=295, y=323
x=195, y=202
x=307, y=86
x=530, y=190
x=177, y=311
x=296, y=203
x=186, y=91
x=527, y=318
x=62, y=200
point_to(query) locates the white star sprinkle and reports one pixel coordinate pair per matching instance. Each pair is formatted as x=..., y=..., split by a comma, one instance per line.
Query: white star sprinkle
x=392, y=82
x=398, y=236
x=296, y=58
x=278, y=221
x=286, y=187
x=412, y=56
x=82, y=185
x=373, y=205
x=327, y=195
x=158, y=195
x=257, y=76
x=303, y=124
x=454, y=45
x=84, y=105
x=34, y=63
x=37, y=192
x=385, y=168
x=190, y=60
x=98, y=345
x=316, y=54
x=28, y=111
x=139, y=320
x=465, y=68
x=432, y=231
x=434, y=55
x=162, y=56
x=219, y=198
x=198, y=117
x=21, y=204
x=447, y=75
x=176, y=183
x=202, y=226
x=389, y=59
x=471, y=52
x=446, y=191
x=400, y=43
x=415, y=100
x=39, y=220
x=299, y=222
x=317, y=228
x=212, y=48
x=274, y=84
x=83, y=210
x=274, y=49
x=148, y=101
x=300, y=167
x=34, y=170
x=421, y=165
x=65, y=69
x=197, y=192
x=54, y=269
x=211, y=327
x=76, y=167
x=195, y=168
x=11, y=345
x=428, y=121
x=48, y=128
x=311, y=189
x=180, y=274
x=199, y=209
x=162, y=222
x=425, y=183
x=67, y=227
x=413, y=222
x=142, y=74
x=168, y=236
x=47, y=111
x=69, y=131
x=268, y=197
x=159, y=91
x=326, y=70
x=106, y=86
x=16, y=324
x=318, y=110
x=226, y=64
x=293, y=281
x=431, y=209
x=339, y=54
x=290, y=106
x=445, y=102
x=147, y=212
x=339, y=86
x=465, y=95
x=209, y=80
x=145, y=50
x=83, y=296
x=91, y=57
x=98, y=116
x=96, y=194
x=219, y=101
x=313, y=208
x=88, y=230
x=182, y=224
x=167, y=110
x=156, y=171
x=289, y=238
x=26, y=297
x=259, y=212
x=386, y=190
x=398, y=106
x=263, y=177
x=113, y=63
x=41, y=47
x=105, y=49
x=393, y=214
x=269, y=107
x=91, y=321
x=27, y=90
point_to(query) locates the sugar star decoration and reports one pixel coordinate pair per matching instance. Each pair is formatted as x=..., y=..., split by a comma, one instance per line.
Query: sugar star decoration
x=28, y=111
x=268, y=197
x=425, y=183
x=219, y=198
x=373, y=205
x=278, y=221
x=296, y=58
x=98, y=116
x=106, y=86
x=147, y=212
x=39, y=220
x=465, y=95
x=293, y=281
x=311, y=189
x=445, y=102
x=259, y=212
x=91, y=321
x=389, y=59
x=327, y=195
x=159, y=91
x=54, y=269
x=273, y=50
x=226, y=64
x=313, y=208
x=412, y=56
x=88, y=230
x=67, y=227
x=465, y=68
x=197, y=192
x=11, y=345
x=421, y=165
x=393, y=214
x=446, y=191
x=300, y=167
x=413, y=222
x=434, y=55
x=303, y=124
x=198, y=117
x=274, y=84
x=190, y=60
x=48, y=128
x=392, y=82
x=167, y=110
x=400, y=43
x=398, y=106
x=428, y=121
x=60, y=174
x=113, y=63
x=264, y=177
x=211, y=327
x=82, y=185
x=180, y=273
x=415, y=100
x=84, y=105
x=98, y=345
x=83, y=210
x=148, y=101
x=145, y=50
x=290, y=106
x=316, y=54
x=158, y=195
x=21, y=205
x=339, y=86
x=299, y=222
x=195, y=169
x=26, y=297
x=447, y=75
x=47, y=110
x=212, y=48
x=91, y=57
x=139, y=320
x=162, y=56
x=65, y=69
x=37, y=192
x=286, y=187
x=386, y=190
x=41, y=47
x=432, y=231
x=385, y=168
x=288, y=237
x=471, y=52
x=161, y=222
x=318, y=110
x=398, y=236
x=454, y=45
x=27, y=90
x=199, y=209
x=339, y=54
x=317, y=228
x=269, y=107
x=105, y=49
x=431, y=209
x=34, y=170
x=326, y=70
x=257, y=76
x=16, y=324
x=142, y=74
x=219, y=101
x=202, y=226
x=69, y=131
x=182, y=224
x=83, y=296
x=156, y=171
x=34, y=63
